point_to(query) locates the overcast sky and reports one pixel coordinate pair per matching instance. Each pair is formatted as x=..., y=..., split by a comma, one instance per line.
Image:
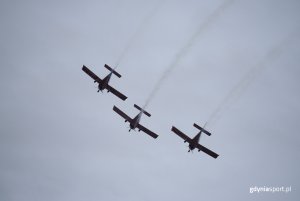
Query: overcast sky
x=234, y=64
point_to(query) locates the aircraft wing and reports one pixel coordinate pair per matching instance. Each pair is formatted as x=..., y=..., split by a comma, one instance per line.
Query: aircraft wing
x=121, y=113
x=116, y=92
x=181, y=134
x=91, y=74
x=207, y=151
x=147, y=131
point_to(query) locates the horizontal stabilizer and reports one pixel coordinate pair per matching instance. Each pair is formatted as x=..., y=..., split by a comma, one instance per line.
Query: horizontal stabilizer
x=144, y=111
x=202, y=129
x=112, y=70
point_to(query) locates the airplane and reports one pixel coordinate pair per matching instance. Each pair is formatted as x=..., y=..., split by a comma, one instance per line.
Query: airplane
x=135, y=122
x=103, y=84
x=194, y=142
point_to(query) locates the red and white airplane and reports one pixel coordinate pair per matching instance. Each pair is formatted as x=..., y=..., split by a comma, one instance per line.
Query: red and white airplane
x=135, y=122
x=194, y=142
x=104, y=84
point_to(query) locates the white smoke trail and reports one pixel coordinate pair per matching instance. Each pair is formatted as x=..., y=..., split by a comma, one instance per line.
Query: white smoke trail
x=182, y=52
x=138, y=31
x=236, y=92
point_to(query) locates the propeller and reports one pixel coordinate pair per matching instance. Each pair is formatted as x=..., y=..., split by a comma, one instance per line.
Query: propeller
x=189, y=149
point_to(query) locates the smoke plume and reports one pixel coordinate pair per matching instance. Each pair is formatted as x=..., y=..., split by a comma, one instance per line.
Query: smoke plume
x=139, y=31
x=236, y=92
x=183, y=51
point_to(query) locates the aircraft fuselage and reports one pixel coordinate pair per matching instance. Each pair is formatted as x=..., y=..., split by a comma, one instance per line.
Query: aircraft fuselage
x=104, y=82
x=135, y=121
x=193, y=144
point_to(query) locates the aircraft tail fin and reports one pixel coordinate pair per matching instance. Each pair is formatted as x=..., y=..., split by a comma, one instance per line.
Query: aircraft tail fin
x=112, y=70
x=202, y=129
x=142, y=110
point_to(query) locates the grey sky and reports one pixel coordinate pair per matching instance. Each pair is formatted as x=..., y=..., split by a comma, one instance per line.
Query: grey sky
x=60, y=140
